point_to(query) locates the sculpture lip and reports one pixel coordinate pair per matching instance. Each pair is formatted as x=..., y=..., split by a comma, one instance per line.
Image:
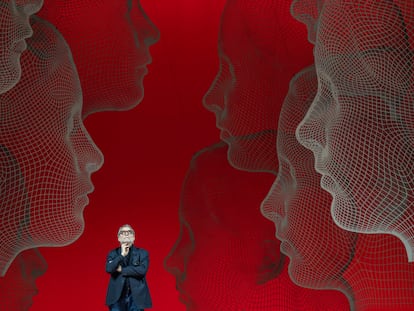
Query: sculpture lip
x=286, y=248
x=184, y=297
x=19, y=47
x=147, y=59
x=328, y=183
x=225, y=135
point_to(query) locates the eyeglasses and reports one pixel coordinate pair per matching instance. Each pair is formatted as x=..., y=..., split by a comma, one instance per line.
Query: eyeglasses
x=126, y=232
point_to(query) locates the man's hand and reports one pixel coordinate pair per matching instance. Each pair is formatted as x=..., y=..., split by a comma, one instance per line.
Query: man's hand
x=119, y=269
x=125, y=249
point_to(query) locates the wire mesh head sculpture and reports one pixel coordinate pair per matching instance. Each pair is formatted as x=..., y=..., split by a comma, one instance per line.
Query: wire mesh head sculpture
x=359, y=126
x=110, y=43
x=220, y=227
x=47, y=156
x=226, y=257
x=372, y=270
x=260, y=49
x=318, y=249
x=14, y=30
x=18, y=286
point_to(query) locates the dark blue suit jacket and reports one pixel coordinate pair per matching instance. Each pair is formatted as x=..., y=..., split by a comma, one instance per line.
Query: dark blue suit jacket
x=135, y=272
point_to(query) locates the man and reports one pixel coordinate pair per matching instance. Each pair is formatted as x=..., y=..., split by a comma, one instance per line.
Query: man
x=128, y=265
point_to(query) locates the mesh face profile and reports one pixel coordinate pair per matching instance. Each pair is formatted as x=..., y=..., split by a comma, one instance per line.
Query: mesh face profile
x=359, y=126
x=47, y=156
x=226, y=257
x=110, y=43
x=18, y=286
x=14, y=30
x=219, y=228
x=318, y=249
x=323, y=255
x=261, y=47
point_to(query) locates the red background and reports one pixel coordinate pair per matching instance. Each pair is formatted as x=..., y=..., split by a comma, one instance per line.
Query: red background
x=147, y=151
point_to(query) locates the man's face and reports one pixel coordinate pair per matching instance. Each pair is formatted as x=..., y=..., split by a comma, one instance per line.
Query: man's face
x=110, y=43
x=126, y=235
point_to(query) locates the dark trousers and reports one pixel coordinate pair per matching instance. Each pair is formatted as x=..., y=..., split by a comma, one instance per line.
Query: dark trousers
x=125, y=303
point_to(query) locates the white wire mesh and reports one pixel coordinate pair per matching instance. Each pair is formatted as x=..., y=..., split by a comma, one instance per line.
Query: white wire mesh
x=46, y=154
x=111, y=54
x=226, y=257
x=360, y=123
x=261, y=47
x=14, y=29
x=18, y=286
x=318, y=249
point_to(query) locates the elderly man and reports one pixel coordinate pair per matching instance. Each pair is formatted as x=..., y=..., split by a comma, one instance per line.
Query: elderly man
x=127, y=265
